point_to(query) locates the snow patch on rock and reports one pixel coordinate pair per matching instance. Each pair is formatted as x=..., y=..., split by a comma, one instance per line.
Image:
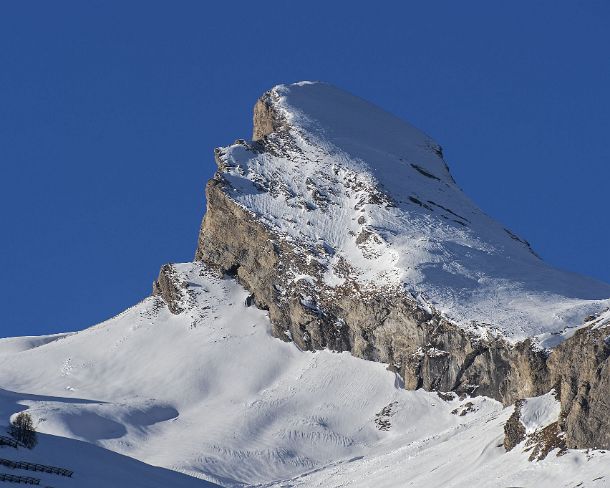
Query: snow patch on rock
x=539, y=412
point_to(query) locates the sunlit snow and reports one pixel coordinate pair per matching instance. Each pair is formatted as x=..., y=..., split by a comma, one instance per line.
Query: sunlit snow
x=211, y=393
x=430, y=238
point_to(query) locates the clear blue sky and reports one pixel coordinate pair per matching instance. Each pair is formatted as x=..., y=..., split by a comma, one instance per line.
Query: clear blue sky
x=109, y=113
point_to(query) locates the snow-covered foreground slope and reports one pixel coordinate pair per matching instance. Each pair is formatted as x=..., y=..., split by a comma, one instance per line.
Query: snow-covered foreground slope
x=468, y=455
x=210, y=393
x=93, y=466
x=375, y=195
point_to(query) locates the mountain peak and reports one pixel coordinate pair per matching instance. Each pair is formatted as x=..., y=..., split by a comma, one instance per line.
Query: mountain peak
x=371, y=196
x=350, y=123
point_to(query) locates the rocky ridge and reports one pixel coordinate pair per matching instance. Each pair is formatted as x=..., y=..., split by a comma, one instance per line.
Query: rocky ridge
x=317, y=297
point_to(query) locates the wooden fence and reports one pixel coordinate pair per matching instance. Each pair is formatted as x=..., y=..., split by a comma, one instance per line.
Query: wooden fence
x=8, y=441
x=19, y=479
x=35, y=467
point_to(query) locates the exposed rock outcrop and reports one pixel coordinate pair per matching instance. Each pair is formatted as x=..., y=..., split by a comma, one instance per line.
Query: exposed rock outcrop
x=541, y=429
x=426, y=350
x=550, y=438
x=514, y=430
x=167, y=287
x=581, y=368
x=265, y=119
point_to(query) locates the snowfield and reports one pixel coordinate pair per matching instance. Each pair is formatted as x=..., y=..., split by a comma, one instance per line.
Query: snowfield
x=538, y=412
x=376, y=193
x=212, y=394
x=93, y=466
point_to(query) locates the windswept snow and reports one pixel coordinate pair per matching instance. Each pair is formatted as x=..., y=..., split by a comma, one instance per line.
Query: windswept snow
x=344, y=168
x=470, y=455
x=538, y=412
x=93, y=466
x=18, y=344
x=211, y=393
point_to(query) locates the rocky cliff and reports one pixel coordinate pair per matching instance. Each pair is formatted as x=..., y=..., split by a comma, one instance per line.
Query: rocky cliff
x=346, y=225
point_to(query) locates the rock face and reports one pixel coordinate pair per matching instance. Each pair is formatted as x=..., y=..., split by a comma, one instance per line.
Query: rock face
x=316, y=298
x=265, y=119
x=426, y=350
x=514, y=430
x=536, y=422
x=581, y=368
x=165, y=287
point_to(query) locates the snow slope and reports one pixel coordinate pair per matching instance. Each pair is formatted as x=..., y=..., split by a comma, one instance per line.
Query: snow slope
x=211, y=393
x=93, y=466
x=17, y=344
x=470, y=455
x=538, y=412
x=343, y=169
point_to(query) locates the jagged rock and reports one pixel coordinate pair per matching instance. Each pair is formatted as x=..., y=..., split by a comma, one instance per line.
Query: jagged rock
x=537, y=423
x=167, y=287
x=265, y=119
x=514, y=430
x=541, y=443
x=581, y=367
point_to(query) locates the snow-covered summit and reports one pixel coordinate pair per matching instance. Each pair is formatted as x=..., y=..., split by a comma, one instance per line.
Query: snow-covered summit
x=384, y=143
x=374, y=192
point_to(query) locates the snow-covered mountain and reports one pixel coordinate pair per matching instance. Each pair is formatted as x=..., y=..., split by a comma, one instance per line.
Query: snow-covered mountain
x=340, y=273
x=344, y=223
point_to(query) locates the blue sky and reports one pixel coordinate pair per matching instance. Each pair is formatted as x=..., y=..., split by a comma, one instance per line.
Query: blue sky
x=109, y=113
